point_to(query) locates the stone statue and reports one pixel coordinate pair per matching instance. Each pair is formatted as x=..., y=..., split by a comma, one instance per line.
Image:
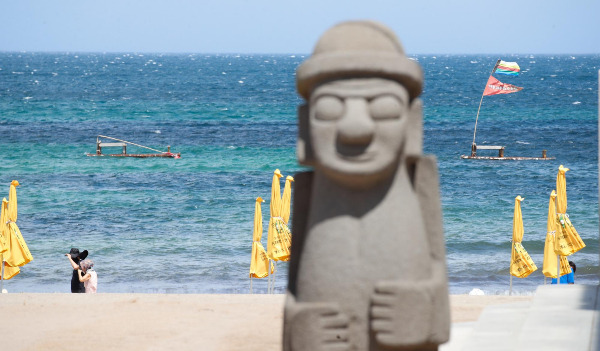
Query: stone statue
x=367, y=268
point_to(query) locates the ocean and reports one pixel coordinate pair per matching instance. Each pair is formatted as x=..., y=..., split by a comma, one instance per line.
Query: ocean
x=185, y=225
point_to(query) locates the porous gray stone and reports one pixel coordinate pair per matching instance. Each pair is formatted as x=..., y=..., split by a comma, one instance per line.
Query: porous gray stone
x=367, y=268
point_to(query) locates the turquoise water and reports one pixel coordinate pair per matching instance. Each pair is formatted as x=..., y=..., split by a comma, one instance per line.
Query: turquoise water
x=185, y=225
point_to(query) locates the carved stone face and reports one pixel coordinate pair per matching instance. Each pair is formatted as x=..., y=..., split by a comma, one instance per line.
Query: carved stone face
x=357, y=128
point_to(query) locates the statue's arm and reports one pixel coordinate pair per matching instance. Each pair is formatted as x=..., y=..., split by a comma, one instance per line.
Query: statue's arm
x=310, y=326
x=302, y=195
x=427, y=187
x=425, y=302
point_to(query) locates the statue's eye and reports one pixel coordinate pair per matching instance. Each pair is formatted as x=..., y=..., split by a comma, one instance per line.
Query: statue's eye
x=328, y=108
x=386, y=107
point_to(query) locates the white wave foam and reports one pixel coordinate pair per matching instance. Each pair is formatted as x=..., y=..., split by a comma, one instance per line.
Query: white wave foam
x=576, y=102
x=522, y=142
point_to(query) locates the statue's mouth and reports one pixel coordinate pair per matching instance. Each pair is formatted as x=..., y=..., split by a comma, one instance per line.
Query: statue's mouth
x=356, y=153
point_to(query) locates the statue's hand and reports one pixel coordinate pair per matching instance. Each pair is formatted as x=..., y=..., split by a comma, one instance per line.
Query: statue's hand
x=319, y=326
x=401, y=313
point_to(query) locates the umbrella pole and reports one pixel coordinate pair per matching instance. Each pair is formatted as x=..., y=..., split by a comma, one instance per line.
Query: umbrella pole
x=510, y=267
x=2, y=274
x=269, y=279
x=250, y=285
x=273, y=286
x=557, y=269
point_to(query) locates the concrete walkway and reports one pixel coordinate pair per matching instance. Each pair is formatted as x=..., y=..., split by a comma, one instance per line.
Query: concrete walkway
x=563, y=317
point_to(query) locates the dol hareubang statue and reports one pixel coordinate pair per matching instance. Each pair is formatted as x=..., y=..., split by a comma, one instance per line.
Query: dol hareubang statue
x=367, y=268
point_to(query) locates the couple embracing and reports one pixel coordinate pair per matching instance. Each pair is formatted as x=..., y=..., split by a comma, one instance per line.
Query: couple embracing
x=84, y=278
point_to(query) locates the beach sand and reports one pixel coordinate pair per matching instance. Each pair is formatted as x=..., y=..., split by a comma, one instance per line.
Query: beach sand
x=163, y=321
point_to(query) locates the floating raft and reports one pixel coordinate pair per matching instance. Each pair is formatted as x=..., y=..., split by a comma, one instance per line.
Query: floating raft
x=509, y=158
x=123, y=144
x=501, y=156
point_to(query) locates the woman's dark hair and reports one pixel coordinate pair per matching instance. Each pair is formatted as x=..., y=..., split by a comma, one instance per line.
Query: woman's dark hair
x=573, y=266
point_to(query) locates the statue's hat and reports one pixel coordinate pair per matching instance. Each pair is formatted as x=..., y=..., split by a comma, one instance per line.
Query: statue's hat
x=359, y=49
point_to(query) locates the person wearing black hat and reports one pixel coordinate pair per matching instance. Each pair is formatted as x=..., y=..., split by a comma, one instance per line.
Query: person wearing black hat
x=75, y=257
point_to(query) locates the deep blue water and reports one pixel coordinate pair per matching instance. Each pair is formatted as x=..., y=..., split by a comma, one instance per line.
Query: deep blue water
x=185, y=226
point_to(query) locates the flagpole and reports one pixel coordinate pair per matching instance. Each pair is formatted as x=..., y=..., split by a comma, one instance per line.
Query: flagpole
x=476, y=118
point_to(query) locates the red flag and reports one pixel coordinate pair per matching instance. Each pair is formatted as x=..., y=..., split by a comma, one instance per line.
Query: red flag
x=494, y=86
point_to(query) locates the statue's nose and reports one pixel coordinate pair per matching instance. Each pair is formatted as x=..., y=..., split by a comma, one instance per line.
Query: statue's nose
x=356, y=126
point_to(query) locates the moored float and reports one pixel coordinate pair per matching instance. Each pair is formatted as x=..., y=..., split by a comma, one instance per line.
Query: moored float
x=495, y=87
x=100, y=143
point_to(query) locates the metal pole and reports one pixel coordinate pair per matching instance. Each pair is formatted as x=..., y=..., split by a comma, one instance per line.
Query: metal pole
x=269, y=280
x=273, y=281
x=2, y=274
x=250, y=285
x=557, y=269
x=129, y=142
x=477, y=118
x=475, y=131
x=509, y=267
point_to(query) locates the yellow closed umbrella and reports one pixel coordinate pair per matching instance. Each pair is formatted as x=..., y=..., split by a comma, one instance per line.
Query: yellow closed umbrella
x=279, y=236
x=521, y=264
x=550, y=256
x=286, y=200
x=259, y=263
x=7, y=271
x=18, y=253
x=568, y=240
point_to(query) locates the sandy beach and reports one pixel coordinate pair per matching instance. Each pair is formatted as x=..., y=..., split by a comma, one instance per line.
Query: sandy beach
x=164, y=321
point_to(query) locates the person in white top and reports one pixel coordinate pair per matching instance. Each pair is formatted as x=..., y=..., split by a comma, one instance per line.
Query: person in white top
x=89, y=276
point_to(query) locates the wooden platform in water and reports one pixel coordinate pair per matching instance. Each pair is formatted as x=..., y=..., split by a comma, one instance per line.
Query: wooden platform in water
x=168, y=155
x=123, y=144
x=500, y=157
x=508, y=158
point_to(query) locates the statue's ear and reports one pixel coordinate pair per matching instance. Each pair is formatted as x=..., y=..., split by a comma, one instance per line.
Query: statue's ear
x=414, y=130
x=304, y=150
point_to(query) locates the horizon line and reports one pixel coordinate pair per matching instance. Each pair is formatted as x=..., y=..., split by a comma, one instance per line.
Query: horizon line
x=267, y=53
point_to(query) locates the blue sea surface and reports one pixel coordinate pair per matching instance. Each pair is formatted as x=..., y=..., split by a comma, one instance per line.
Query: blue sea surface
x=185, y=225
